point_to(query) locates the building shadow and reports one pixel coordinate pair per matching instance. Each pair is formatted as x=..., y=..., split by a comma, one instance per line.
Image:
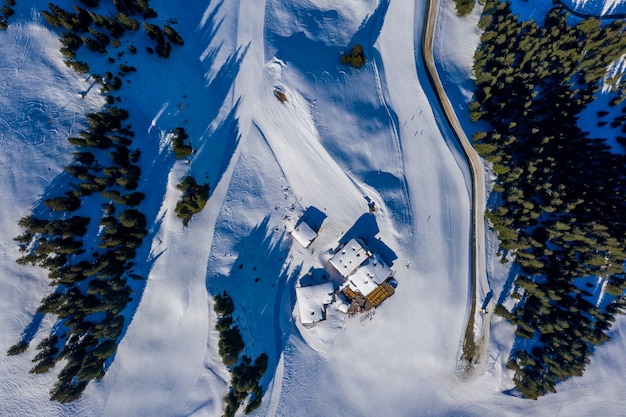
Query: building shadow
x=313, y=217
x=366, y=229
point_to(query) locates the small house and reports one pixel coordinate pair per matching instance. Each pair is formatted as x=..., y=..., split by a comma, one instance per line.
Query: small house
x=304, y=234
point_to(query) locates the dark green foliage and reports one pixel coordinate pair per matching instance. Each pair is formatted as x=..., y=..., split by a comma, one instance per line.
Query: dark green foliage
x=69, y=50
x=132, y=218
x=77, y=171
x=230, y=345
x=129, y=182
x=7, y=11
x=73, y=226
x=162, y=47
x=133, y=199
x=464, y=7
x=116, y=28
x=245, y=376
x=46, y=357
x=120, y=140
x=224, y=305
x=18, y=348
x=110, y=83
x=51, y=18
x=135, y=7
x=91, y=288
x=68, y=203
x=562, y=192
x=223, y=323
x=120, y=156
x=74, y=22
x=126, y=68
x=154, y=32
x=66, y=391
x=356, y=57
x=85, y=158
x=172, y=35
x=181, y=148
x=97, y=42
x=245, y=382
x=135, y=155
x=193, y=200
x=127, y=21
x=51, y=303
x=80, y=67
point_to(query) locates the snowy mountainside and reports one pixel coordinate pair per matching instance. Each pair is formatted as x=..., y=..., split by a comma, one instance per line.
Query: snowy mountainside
x=597, y=7
x=344, y=137
x=40, y=107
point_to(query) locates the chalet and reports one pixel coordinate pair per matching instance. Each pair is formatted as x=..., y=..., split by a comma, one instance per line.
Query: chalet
x=366, y=276
x=350, y=257
x=313, y=300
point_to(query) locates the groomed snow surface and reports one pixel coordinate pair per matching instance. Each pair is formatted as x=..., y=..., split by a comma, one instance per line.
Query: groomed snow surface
x=343, y=139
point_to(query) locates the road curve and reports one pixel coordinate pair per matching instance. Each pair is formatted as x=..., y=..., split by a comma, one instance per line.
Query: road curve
x=475, y=346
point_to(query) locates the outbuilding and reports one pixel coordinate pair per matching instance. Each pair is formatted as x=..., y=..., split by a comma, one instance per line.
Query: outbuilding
x=313, y=300
x=304, y=234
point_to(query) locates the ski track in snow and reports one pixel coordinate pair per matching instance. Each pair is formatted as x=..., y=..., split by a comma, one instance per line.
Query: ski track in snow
x=342, y=135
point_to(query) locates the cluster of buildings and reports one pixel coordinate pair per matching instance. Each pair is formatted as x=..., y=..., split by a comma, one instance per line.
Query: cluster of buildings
x=366, y=279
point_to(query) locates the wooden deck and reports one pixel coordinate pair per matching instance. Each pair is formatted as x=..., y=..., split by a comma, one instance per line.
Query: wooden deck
x=359, y=303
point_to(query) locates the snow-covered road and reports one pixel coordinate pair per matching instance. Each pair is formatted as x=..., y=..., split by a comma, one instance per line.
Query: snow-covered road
x=476, y=346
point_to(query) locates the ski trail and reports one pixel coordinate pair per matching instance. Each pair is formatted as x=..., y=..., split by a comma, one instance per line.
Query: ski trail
x=428, y=160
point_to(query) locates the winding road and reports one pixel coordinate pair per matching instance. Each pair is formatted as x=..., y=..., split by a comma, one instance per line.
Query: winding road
x=475, y=346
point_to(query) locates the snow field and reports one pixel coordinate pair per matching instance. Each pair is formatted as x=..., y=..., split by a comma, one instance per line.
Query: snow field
x=343, y=135
x=40, y=107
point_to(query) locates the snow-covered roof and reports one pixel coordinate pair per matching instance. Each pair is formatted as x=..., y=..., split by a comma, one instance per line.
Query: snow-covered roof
x=349, y=258
x=312, y=301
x=370, y=275
x=304, y=234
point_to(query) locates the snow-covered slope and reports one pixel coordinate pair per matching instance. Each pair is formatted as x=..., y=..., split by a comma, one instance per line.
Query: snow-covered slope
x=343, y=138
x=40, y=107
x=598, y=7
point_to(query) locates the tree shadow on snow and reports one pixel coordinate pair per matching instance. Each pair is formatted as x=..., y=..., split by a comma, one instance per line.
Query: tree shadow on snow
x=215, y=154
x=370, y=28
x=28, y=334
x=210, y=19
x=156, y=164
x=315, y=56
x=260, y=284
x=221, y=84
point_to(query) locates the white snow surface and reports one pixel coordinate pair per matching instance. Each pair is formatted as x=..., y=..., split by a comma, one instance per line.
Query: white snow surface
x=598, y=7
x=344, y=138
